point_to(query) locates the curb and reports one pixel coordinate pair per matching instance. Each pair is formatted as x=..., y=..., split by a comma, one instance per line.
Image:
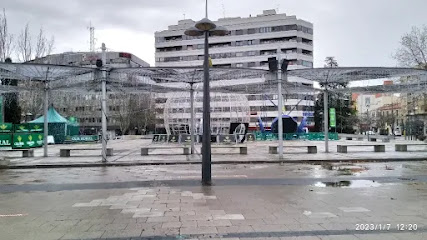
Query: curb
x=125, y=164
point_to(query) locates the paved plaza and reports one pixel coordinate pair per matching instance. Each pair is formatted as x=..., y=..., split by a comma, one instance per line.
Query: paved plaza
x=128, y=152
x=247, y=201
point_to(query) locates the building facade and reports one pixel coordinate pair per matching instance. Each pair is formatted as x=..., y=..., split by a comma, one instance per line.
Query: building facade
x=382, y=112
x=86, y=107
x=249, y=44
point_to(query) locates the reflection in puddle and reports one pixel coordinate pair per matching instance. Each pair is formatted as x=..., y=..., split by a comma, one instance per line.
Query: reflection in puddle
x=349, y=184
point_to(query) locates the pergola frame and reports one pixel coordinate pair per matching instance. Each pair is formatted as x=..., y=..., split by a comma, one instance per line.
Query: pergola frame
x=226, y=80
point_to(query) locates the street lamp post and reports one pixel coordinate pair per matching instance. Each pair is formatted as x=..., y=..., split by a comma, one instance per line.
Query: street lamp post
x=206, y=27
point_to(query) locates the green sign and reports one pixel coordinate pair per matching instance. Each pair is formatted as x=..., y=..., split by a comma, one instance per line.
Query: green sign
x=1, y=109
x=30, y=140
x=35, y=127
x=82, y=138
x=38, y=138
x=20, y=140
x=23, y=127
x=332, y=118
x=5, y=140
x=6, y=127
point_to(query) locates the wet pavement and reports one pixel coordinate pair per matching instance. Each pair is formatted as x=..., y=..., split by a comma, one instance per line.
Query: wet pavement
x=261, y=201
x=127, y=152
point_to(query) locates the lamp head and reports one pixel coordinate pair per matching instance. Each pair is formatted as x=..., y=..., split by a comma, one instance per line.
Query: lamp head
x=205, y=25
x=219, y=31
x=193, y=32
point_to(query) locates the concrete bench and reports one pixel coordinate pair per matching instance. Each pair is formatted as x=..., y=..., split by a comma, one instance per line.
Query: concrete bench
x=25, y=152
x=242, y=149
x=377, y=147
x=144, y=150
x=310, y=148
x=404, y=147
x=66, y=152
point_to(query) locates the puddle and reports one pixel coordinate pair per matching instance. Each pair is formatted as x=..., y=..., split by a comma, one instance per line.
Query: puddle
x=345, y=169
x=349, y=184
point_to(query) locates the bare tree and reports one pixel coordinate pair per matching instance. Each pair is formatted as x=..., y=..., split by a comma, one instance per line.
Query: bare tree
x=331, y=62
x=43, y=45
x=6, y=38
x=124, y=114
x=24, y=46
x=143, y=112
x=27, y=49
x=413, y=50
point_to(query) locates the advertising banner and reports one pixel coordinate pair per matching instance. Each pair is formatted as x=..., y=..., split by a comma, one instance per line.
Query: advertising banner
x=332, y=118
x=5, y=140
x=6, y=127
x=35, y=127
x=20, y=141
x=22, y=128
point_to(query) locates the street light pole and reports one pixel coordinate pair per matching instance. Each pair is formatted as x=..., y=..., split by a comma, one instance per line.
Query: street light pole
x=326, y=118
x=192, y=117
x=206, y=27
x=206, y=144
x=104, y=104
x=280, y=105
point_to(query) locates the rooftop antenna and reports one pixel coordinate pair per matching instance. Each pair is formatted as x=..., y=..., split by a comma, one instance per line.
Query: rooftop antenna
x=92, y=37
x=223, y=9
x=184, y=16
x=277, y=8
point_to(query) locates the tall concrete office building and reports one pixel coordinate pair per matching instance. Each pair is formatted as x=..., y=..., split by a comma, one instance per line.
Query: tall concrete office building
x=249, y=44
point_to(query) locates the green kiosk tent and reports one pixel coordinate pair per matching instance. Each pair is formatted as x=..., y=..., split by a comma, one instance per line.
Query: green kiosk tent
x=58, y=126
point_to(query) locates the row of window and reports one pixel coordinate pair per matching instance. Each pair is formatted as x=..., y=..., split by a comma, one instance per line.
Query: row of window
x=89, y=120
x=236, y=109
x=236, y=44
x=270, y=119
x=248, y=64
x=282, y=28
x=92, y=108
x=274, y=97
x=287, y=108
x=255, y=97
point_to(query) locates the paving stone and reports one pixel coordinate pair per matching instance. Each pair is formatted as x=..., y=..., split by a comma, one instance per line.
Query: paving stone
x=270, y=228
x=171, y=225
x=87, y=204
x=354, y=209
x=213, y=223
x=248, y=222
x=300, y=238
x=121, y=233
x=83, y=235
x=372, y=236
x=136, y=210
x=235, y=229
x=163, y=219
x=111, y=226
x=197, y=230
x=195, y=217
x=180, y=213
x=189, y=223
x=230, y=217
x=148, y=214
x=123, y=206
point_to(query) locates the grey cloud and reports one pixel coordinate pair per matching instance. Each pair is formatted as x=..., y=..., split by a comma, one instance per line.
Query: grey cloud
x=363, y=32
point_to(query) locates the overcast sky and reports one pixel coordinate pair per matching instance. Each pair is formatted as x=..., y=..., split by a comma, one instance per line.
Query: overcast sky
x=356, y=32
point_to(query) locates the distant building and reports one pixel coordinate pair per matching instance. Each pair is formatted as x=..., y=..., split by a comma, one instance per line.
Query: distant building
x=86, y=107
x=381, y=110
x=88, y=59
x=249, y=44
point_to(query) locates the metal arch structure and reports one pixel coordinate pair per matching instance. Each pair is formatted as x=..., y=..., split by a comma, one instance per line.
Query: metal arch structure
x=179, y=79
x=351, y=74
x=326, y=76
